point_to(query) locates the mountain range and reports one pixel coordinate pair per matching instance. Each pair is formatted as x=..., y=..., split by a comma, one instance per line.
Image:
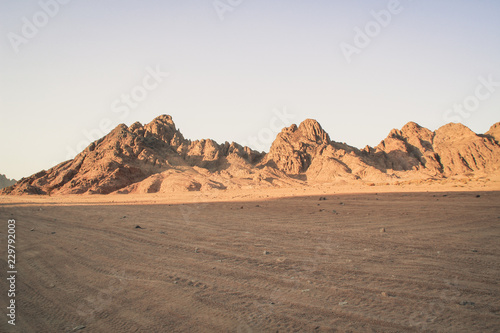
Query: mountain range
x=156, y=157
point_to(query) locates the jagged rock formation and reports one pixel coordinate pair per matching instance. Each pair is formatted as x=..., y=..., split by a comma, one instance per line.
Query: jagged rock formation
x=451, y=150
x=494, y=132
x=128, y=155
x=407, y=149
x=157, y=158
x=295, y=147
x=462, y=151
x=306, y=152
x=4, y=181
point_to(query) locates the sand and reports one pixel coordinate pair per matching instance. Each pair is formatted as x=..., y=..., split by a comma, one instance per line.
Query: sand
x=372, y=259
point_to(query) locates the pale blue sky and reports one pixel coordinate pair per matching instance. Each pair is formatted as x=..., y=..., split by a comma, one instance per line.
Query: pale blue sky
x=228, y=77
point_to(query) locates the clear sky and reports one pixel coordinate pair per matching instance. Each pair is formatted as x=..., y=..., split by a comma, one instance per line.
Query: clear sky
x=70, y=70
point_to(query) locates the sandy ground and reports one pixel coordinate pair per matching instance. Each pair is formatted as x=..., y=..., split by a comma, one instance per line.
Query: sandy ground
x=253, y=261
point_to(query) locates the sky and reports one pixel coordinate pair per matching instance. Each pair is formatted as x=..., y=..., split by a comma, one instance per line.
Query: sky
x=239, y=70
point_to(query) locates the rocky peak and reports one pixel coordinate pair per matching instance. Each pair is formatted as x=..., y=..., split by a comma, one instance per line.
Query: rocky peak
x=311, y=130
x=463, y=151
x=163, y=128
x=294, y=147
x=494, y=132
x=413, y=130
x=411, y=133
x=131, y=155
x=453, y=132
x=407, y=149
x=137, y=128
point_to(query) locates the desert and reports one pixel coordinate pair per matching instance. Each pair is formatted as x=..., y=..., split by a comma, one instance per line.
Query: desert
x=356, y=261
x=249, y=166
x=215, y=237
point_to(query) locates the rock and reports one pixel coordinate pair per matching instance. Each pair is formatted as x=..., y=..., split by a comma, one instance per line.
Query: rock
x=461, y=151
x=478, y=196
x=494, y=132
x=129, y=155
x=266, y=252
x=453, y=149
x=53, y=233
x=464, y=303
x=156, y=157
x=138, y=227
x=382, y=230
x=407, y=149
x=343, y=303
x=293, y=148
x=78, y=328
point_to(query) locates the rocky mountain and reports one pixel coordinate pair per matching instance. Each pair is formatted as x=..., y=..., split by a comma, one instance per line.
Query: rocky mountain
x=307, y=153
x=4, y=181
x=494, y=132
x=294, y=148
x=451, y=150
x=128, y=155
x=157, y=158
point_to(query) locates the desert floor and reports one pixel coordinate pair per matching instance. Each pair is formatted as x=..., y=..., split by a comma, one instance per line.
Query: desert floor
x=257, y=262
